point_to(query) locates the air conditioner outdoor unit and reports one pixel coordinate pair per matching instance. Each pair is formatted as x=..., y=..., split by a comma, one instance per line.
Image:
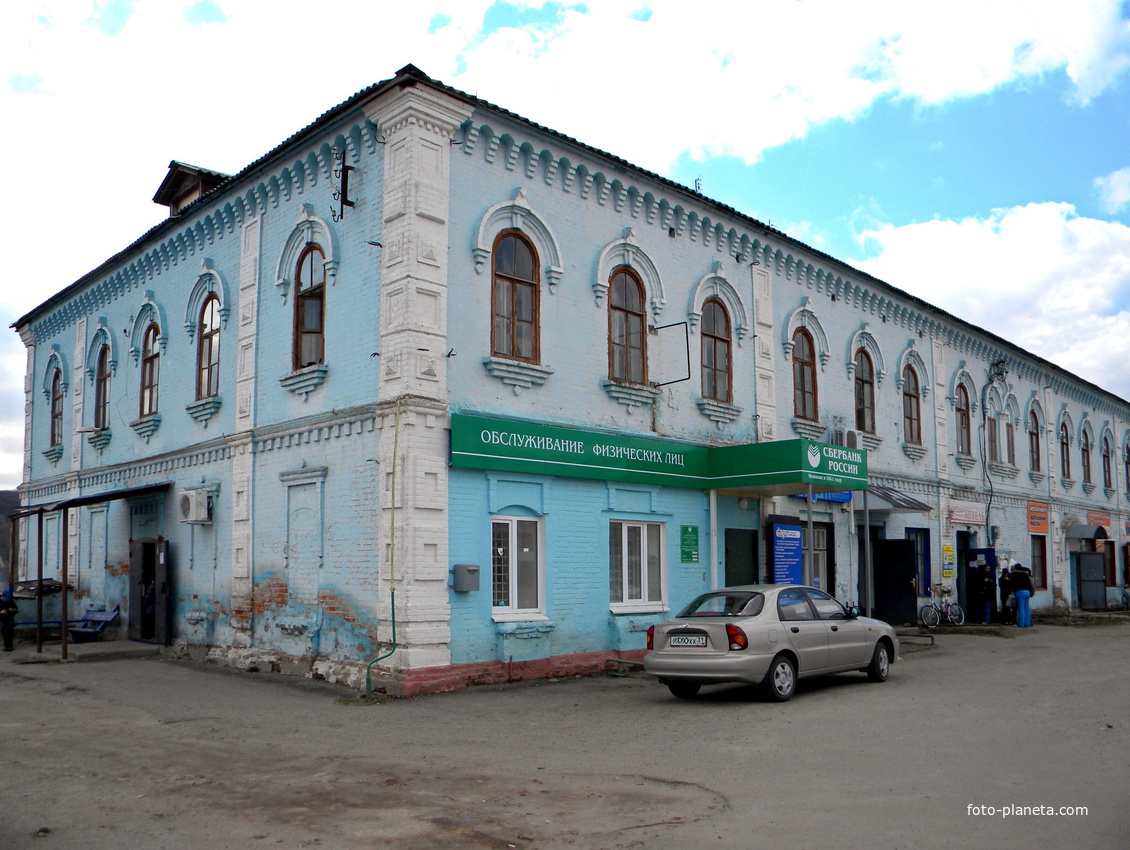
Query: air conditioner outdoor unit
x=849, y=438
x=192, y=506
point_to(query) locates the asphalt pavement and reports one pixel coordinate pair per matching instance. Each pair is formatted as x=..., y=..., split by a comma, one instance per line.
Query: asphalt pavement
x=1003, y=738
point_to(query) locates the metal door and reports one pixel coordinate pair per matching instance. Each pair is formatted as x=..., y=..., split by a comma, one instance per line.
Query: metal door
x=896, y=597
x=1091, y=569
x=741, y=556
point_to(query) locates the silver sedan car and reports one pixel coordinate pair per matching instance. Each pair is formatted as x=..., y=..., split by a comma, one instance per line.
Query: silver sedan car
x=769, y=635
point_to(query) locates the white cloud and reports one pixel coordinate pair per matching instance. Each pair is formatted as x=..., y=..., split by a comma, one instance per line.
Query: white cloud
x=93, y=113
x=1114, y=189
x=1039, y=276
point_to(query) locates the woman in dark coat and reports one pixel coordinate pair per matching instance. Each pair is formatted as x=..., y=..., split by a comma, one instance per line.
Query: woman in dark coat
x=1005, y=584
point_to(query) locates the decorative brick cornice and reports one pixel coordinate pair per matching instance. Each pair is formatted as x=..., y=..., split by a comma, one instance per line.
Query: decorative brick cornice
x=630, y=395
x=720, y=413
x=517, y=374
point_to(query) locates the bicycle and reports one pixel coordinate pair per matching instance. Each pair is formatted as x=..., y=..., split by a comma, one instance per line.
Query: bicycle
x=943, y=611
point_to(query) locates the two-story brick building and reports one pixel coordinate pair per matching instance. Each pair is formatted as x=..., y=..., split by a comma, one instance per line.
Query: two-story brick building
x=435, y=393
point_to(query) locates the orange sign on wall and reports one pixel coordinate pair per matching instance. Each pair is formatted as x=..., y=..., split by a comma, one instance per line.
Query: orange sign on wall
x=1099, y=518
x=1037, y=517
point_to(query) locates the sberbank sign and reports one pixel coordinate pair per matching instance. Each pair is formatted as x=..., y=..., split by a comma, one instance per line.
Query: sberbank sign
x=782, y=467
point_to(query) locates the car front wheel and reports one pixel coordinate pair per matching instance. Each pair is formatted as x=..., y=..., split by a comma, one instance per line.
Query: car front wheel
x=880, y=665
x=683, y=690
x=781, y=681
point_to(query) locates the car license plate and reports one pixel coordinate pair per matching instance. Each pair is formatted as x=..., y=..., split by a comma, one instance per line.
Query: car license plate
x=688, y=640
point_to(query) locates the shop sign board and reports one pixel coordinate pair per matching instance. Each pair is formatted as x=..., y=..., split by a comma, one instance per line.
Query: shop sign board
x=688, y=544
x=1099, y=518
x=480, y=442
x=788, y=555
x=967, y=513
x=947, y=561
x=1038, y=517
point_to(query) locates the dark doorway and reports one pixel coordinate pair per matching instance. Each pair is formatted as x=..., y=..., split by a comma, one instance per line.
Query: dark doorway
x=973, y=590
x=741, y=557
x=150, y=591
x=896, y=596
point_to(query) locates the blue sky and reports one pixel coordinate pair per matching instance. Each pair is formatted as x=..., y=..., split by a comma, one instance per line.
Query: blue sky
x=976, y=153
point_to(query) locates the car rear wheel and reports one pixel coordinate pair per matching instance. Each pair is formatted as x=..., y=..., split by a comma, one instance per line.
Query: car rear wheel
x=780, y=683
x=880, y=665
x=683, y=690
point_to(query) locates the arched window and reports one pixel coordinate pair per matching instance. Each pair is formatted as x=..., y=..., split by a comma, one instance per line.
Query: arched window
x=309, y=308
x=514, y=330
x=864, y=392
x=208, y=350
x=1010, y=442
x=1108, y=472
x=57, y=408
x=150, y=369
x=804, y=376
x=715, y=351
x=961, y=403
x=1126, y=464
x=627, y=328
x=1033, y=442
x=911, y=407
x=1085, y=456
x=102, y=389
x=992, y=437
x=1064, y=451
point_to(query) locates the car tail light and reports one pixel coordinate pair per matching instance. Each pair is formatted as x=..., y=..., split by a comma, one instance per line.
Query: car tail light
x=651, y=637
x=736, y=636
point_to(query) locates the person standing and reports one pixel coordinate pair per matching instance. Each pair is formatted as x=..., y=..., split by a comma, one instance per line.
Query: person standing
x=989, y=591
x=1022, y=586
x=8, y=611
x=1005, y=584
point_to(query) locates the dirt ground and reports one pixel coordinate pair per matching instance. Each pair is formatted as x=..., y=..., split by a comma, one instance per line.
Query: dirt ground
x=152, y=753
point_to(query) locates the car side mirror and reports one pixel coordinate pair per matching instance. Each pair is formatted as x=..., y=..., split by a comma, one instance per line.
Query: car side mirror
x=852, y=612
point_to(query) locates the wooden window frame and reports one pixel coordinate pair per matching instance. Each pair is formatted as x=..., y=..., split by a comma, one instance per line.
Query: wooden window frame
x=1108, y=466
x=962, y=416
x=616, y=310
x=1064, y=451
x=102, y=389
x=718, y=345
x=315, y=292
x=1085, y=456
x=508, y=348
x=208, y=350
x=864, y=392
x=1034, y=453
x=911, y=407
x=805, y=388
x=150, y=371
x=57, y=408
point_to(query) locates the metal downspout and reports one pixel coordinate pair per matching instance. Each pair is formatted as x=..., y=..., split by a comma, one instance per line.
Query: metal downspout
x=392, y=556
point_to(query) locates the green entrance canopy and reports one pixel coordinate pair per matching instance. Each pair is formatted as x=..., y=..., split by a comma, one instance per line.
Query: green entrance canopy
x=752, y=469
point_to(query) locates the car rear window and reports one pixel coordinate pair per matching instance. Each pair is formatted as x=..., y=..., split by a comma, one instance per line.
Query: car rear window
x=725, y=604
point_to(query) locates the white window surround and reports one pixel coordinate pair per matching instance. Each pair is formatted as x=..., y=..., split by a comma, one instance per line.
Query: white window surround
x=803, y=317
x=209, y=281
x=863, y=339
x=512, y=613
x=54, y=362
x=715, y=285
x=307, y=230
x=149, y=312
x=625, y=251
x=912, y=358
x=102, y=336
x=640, y=606
x=519, y=215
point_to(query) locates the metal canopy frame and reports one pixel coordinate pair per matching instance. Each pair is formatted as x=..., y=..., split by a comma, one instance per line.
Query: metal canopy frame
x=65, y=505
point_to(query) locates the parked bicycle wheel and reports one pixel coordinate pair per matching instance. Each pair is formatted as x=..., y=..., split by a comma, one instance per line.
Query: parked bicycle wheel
x=956, y=614
x=928, y=614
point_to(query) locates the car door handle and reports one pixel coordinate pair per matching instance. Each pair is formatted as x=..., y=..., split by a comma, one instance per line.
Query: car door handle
x=795, y=629
x=835, y=628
